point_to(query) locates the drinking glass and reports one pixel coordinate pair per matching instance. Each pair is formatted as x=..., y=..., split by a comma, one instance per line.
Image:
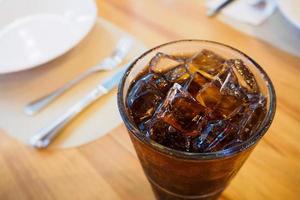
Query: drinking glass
x=181, y=175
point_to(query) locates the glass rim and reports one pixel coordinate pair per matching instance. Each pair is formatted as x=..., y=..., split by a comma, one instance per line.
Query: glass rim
x=231, y=151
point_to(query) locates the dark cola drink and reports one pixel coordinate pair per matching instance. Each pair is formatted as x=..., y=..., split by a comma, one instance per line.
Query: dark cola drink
x=194, y=111
x=196, y=103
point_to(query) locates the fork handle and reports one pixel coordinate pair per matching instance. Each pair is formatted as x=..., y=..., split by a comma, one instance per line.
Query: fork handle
x=37, y=105
x=44, y=136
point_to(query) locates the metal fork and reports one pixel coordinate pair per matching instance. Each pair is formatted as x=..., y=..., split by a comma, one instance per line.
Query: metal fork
x=112, y=61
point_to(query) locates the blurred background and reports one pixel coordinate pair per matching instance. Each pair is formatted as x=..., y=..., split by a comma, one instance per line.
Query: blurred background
x=54, y=54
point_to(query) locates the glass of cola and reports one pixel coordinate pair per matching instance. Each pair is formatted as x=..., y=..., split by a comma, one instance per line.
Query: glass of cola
x=194, y=111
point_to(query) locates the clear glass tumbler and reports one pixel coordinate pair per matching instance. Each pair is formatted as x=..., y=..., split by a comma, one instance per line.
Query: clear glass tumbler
x=182, y=175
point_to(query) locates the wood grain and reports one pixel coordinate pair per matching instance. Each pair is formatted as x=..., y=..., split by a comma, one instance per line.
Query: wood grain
x=108, y=168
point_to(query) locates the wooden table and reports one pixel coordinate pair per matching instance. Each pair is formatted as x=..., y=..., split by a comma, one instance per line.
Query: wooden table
x=108, y=168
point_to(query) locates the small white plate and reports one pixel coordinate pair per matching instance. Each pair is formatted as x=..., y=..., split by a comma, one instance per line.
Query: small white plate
x=33, y=32
x=291, y=10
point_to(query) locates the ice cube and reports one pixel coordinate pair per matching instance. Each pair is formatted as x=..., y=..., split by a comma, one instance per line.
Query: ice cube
x=207, y=61
x=233, y=129
x=181, y=111
x=210, y=95
x=250, y=116
x=214, y=136
x=179, y=75
x=195, y=84
x=256, y=99
x=222, y=96
x=162, y=63
x=160, y=83
x=246, y=77
x=229, y=83
x=156, y=129
x=145, y=95
x=227, y=79
x=165, y=134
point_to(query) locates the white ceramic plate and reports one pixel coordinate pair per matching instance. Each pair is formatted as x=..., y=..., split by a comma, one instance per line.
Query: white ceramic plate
x=33, y=32
x=291, y=10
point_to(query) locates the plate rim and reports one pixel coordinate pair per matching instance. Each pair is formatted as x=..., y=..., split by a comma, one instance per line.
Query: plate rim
x=38, y=63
